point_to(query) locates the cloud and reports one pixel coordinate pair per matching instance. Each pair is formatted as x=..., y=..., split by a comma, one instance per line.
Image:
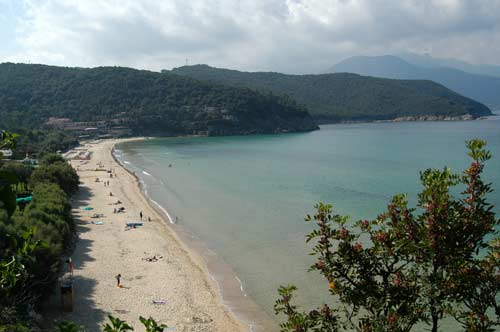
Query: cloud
x=282, y=35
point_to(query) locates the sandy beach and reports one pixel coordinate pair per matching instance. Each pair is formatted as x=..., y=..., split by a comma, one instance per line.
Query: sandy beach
x=161, y=277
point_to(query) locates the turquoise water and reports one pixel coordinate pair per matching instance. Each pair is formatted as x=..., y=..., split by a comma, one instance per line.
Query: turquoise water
x=245, y=197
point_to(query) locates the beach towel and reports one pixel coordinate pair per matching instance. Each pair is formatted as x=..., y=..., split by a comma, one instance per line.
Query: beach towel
x=134, y=224
x=88, y=208
x=99, y=223
x=159, y=301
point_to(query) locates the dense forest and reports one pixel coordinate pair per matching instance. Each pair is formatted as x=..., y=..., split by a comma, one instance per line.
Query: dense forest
x=36, y=227
x=349, y=97
x=148, y=103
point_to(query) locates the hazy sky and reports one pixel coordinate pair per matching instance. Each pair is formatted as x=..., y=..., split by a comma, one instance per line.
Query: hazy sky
x=294, y=36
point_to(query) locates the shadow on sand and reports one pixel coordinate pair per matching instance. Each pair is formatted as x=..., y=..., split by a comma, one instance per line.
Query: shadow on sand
x=83, y=288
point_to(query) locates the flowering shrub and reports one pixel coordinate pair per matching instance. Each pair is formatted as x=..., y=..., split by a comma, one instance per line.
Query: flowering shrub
x=408, y=265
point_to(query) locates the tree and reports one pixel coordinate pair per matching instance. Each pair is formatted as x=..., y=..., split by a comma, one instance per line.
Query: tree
x=51, y=158
x=410, y=265
x=16, y=278
x=7, y=179
x=57, y=172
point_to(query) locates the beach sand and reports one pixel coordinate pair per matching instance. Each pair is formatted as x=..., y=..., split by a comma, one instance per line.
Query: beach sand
x=179, y=278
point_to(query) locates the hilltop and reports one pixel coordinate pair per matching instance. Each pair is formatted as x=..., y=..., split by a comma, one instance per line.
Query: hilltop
x=483, y=88
x=350, y=97
x=126, y=101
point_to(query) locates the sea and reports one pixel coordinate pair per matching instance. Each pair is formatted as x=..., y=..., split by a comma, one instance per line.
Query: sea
x=240, y=201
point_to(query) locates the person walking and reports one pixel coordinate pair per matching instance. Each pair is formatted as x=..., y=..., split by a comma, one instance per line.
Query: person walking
x=118, y=278
x=140, y=214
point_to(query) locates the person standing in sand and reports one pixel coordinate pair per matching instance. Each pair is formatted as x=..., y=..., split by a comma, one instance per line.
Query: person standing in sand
x=118, y=277
x=140, y=214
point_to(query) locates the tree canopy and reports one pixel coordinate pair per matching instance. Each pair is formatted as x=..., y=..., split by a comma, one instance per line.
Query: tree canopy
x=349, y=97
x=148, y=103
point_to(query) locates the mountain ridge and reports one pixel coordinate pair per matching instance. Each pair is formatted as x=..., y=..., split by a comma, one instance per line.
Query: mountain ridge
x=349, y=97
x=479, y=87
x=425, y=60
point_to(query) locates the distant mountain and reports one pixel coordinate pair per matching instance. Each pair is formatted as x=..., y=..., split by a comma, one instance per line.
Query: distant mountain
x=350, y=97
x=144, y=102
x=432, y=62
x=485, y=89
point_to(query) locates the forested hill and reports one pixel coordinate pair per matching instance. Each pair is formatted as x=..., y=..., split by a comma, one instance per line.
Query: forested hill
x=350, y=97
x=146, y=102
x=483, y=88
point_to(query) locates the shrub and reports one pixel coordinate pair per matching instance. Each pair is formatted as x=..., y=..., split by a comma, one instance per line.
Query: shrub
x=409, y=265
x=60, y=173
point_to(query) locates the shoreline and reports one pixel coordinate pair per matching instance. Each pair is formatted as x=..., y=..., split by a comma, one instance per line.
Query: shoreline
x=187, y=299
x=226, y=283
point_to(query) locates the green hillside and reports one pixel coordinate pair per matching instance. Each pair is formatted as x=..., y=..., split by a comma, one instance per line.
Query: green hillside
x=349, y=97
x=147, y=103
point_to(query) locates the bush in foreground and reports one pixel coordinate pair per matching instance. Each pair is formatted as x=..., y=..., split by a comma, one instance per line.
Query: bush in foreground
x=409, y=266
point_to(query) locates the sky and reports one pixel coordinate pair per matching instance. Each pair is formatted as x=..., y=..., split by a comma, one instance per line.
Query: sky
x=291, y=36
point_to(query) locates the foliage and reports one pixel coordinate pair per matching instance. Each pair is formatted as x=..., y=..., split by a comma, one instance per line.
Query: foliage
x=51, y=158
x=7, y=179
x=151, y=325
x=117, y=325
x=408, y=265
x=146, y=102
x=50, y=213
x=31, y=240
x=21, y=171
x=16, y=327
x=37, y=143
x=66, y=326
x=58, y=172
x=16, y=278
x=349, y=97
x=321, y=319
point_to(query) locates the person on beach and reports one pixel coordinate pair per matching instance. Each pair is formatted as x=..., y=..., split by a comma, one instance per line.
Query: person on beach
x=118, y=278
x=140, y=214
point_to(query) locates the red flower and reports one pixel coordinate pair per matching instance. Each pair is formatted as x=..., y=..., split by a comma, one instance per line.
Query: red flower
x=358, y=247
x=344, y=233
x=380, y=236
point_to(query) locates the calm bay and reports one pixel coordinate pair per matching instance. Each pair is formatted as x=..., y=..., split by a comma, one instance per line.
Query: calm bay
x=243, y=199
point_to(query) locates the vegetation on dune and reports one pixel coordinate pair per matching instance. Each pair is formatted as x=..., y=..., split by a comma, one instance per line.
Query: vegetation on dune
x=55, y=170
x=349, y=97
x=36, y=142
x=33, y=236
x=148, y=103
x=409, y=266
